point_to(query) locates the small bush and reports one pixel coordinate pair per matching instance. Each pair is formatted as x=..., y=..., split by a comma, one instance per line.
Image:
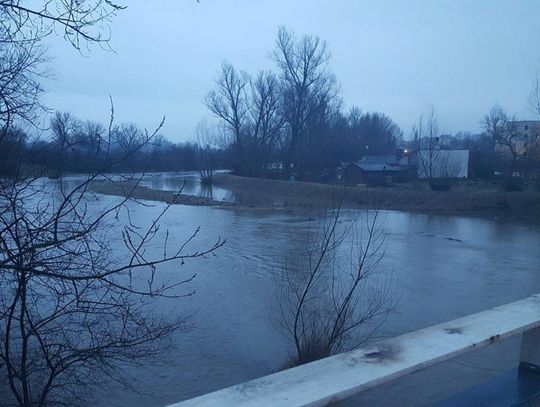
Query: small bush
x=206, y=176
x=206, y=181
x=512, y=184
x=440, y=184
x=311, y=350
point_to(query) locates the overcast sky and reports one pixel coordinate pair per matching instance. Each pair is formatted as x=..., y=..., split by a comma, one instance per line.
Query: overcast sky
x=397, y=57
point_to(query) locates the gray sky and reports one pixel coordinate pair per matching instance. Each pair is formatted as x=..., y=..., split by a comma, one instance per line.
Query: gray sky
x=396, y=57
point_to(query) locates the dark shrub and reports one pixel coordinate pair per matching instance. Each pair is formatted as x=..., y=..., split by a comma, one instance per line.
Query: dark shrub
x=512, y=184
x=440, y=184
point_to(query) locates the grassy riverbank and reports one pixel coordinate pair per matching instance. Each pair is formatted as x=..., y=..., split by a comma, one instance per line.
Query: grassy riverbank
x=136, y=191
x=464, y=199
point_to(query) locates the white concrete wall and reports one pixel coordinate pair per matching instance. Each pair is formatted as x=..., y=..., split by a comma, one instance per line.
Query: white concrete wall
x=443, y=163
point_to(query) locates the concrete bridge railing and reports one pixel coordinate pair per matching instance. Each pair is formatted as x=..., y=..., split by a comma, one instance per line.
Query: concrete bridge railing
x=340, y=376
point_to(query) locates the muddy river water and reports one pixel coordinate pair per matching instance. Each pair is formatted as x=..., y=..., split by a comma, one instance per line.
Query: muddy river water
x=443, y=267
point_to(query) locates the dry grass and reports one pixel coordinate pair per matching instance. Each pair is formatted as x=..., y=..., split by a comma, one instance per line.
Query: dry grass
x=463, y=199
x=124, y=188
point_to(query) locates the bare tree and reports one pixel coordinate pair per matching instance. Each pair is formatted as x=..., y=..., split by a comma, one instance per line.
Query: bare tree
x=266, y=119
x=74, y=303
x=90, y=138
x=376, y=132
x=511, y=138
x=426, y=138
x=64, y=127
x=330, y=299
x=20, y=71
x=308, y=86
x=494, y=124
x=229, y=103
x=83, y=22
x=434, y=161
x=207, y=139
x=293, y=117
x=23, y=26
x=13, y=149
x=250, y=110
x=127, y=136
x=504, y=130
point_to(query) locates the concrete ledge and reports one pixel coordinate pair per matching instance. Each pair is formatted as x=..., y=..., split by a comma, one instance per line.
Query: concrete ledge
x=340, y=376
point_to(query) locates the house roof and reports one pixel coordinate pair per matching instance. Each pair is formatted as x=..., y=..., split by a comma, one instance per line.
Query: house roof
x=374, y=167
x=380, y=159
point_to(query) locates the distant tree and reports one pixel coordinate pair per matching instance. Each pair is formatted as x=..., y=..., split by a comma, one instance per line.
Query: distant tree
x=127, y=136
x=13, y=152
x=229, y=103
x=64, y=127
x=481, y=160
x=376, y=132
x=185, y=155
x=264, y=129
x=507, y=137
x=494, y=124
x=90, y=138
x=250, y=111
x=433, y=162
x=309, y=87
x=426, y=138
x=294, y=117
x=321, y=148
x=511, y=138
x=207, y=140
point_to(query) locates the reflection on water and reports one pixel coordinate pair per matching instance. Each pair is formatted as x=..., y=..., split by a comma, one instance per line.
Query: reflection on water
x=190, y=184
x=445, y=268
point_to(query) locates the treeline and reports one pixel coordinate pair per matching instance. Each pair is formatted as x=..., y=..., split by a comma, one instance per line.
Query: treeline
x=77, y=146
x=290, y=121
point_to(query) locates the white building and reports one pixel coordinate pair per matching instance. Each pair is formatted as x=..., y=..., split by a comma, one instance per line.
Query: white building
x=440, y=163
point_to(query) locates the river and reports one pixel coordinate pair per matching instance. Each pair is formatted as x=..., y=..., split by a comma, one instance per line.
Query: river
x=443, y=268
